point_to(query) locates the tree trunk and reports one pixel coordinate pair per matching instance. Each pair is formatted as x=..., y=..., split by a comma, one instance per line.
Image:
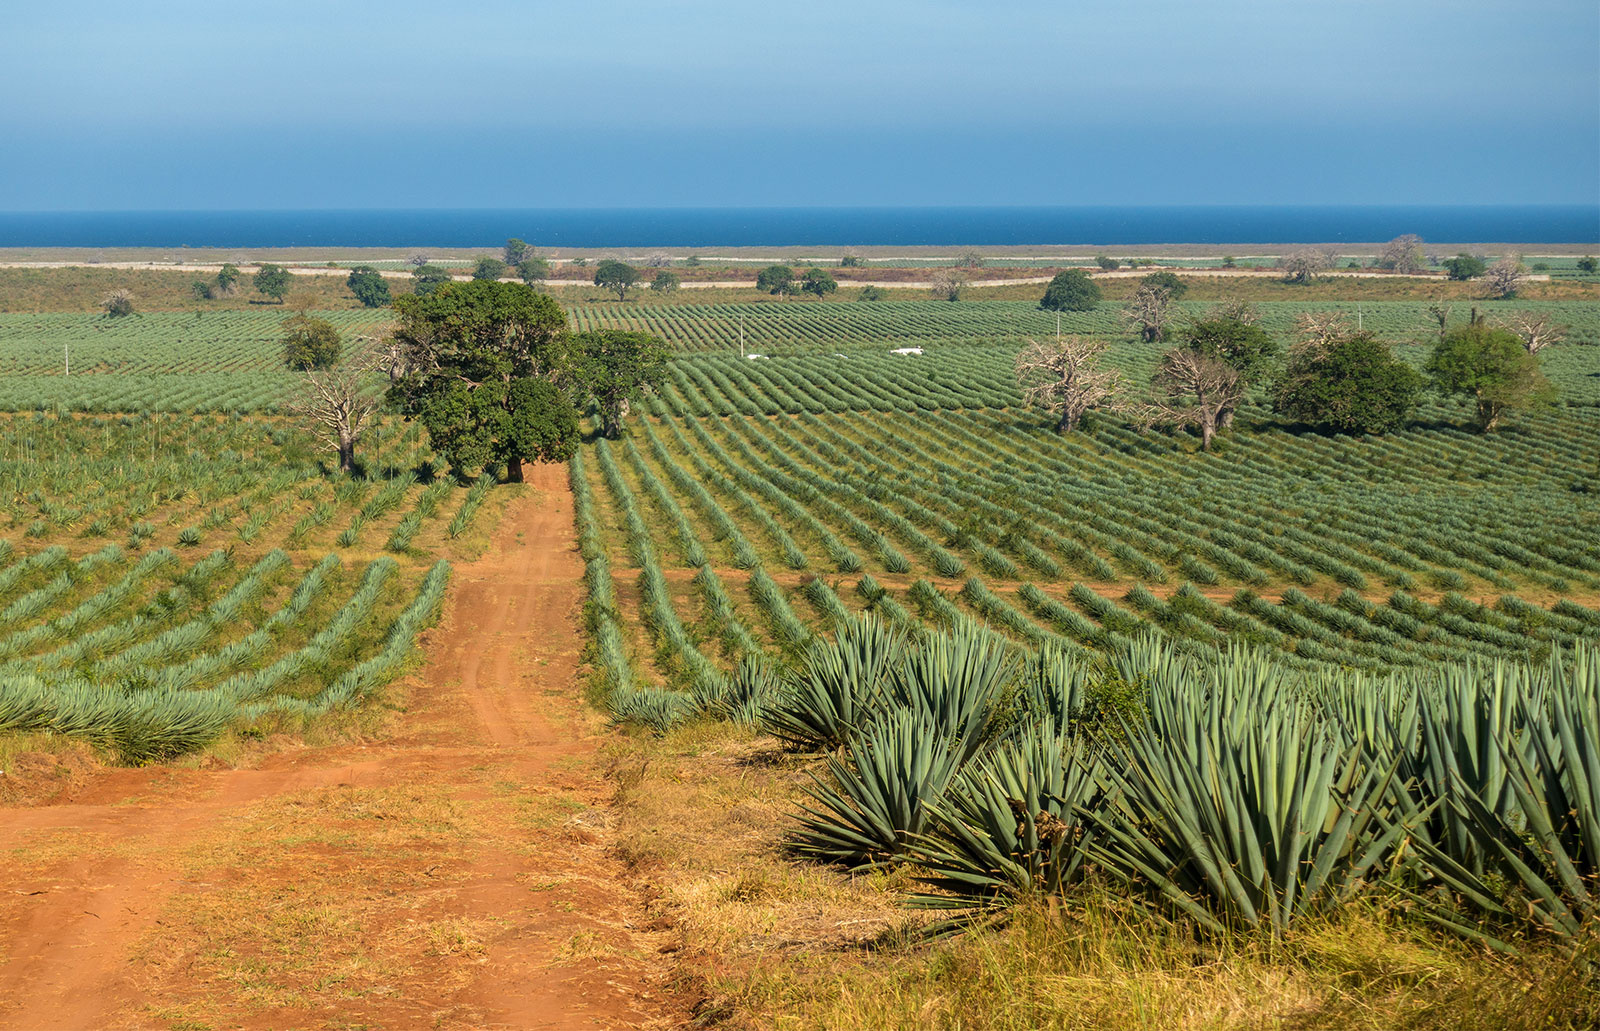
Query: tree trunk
x=514, y=469
x=1068, y=423
x=1489, y=413
x=1225, y=418
x=347, y=455
x=1208, y=430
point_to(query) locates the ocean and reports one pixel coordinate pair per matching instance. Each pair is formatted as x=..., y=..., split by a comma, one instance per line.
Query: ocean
x=769, y=227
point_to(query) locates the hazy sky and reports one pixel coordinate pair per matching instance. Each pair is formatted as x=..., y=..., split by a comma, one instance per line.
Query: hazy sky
x=314, y=103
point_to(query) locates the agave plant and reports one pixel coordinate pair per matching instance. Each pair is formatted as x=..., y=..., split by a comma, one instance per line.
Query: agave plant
x=954, y=679
x=837, y=685
x=747, y=693
x=658, y=708
x=1536, y=861
x=880, y=792
x=1009, y=827
x=1243, y=814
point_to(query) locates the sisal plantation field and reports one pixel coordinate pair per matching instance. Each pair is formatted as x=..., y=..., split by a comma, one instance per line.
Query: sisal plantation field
x=885, y=659
x=167, y=579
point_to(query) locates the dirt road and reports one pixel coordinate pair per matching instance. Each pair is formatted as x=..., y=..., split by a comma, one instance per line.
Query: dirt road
x=458, y=873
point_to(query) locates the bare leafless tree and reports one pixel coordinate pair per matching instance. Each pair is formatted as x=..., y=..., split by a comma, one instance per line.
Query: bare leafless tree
x=1440, y=311
x=338, y=402
x=1403, y=254
x=1234, y=310
x=1304, y=264
x=1198, y=390
x=1150, y=312
x=1318, y=329
x=658, y=259
x=418, y=259
x=970, y=259
x=1060, y=376
x=948, y=283
x=1504, y=276
x=1537, y=330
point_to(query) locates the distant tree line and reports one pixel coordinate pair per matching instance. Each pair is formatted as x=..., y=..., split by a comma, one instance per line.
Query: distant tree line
x=1336, y=378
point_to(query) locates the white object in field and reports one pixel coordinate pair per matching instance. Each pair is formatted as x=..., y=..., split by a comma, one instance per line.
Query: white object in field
x=753, y=357
x=906, y=350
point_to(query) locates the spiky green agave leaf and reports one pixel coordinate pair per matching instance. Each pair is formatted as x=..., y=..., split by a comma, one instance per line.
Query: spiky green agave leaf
x=1008, y=828
x=836, y=686
x=876, y=797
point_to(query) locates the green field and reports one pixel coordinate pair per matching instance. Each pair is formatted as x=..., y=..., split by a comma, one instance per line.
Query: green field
x=164, y=579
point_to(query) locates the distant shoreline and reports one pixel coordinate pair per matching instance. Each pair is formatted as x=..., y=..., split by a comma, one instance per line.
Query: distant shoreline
x=181, y=257
x=732, y=232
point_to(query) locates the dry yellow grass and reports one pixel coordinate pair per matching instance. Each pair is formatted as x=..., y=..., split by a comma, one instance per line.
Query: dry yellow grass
x=779, y=944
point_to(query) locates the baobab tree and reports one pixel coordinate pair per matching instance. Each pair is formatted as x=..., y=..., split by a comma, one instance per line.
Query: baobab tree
x=1304, y=264
x=1535, y=329
x=1198, y=391
x=1060, y=376
x=1504, y=276
x=338, y=402
x=1150, y=312
x=1317, y=329
x=1403, y=254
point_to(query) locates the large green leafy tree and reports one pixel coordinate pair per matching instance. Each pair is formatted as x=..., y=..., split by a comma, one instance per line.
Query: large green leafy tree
x=310, y=343
x=485, y=364
x=776, y=279
x=1244, y=345
x=1071, y=290
x=817, y=282
x=616, y=275
x=273, y=281
x=615, y=369
x=1465, y=266
x=1493, y=368
x=1168, y=281
x=368, y=286
x=1351, y=384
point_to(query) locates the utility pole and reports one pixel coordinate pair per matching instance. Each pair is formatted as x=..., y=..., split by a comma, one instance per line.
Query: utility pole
x=1358, y=316
x=66, y=356
x=1058, y=328
x=741, y=334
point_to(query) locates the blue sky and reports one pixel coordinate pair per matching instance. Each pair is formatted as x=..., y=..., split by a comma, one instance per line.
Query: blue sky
x=175, y=104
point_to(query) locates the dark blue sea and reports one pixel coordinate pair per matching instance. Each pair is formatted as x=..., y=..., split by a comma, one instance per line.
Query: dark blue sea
x=768, y=227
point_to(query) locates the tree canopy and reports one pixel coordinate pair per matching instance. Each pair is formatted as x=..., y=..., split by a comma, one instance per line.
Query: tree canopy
x=489, y=268
x=775, y=279
x=484, y=364
x=1071, y=290
x=369, y=287
x=533, y=269
x=1167, y=281
x=1465, y=266
x=665, y=282
x=612, y=274
x=615, y=369
x=1493, y=368
x=310, y=343
x=818, y=282
x=516, y=251
x=272, y=281
x=1349, y=383
x=428, y=278
x=1242, y=345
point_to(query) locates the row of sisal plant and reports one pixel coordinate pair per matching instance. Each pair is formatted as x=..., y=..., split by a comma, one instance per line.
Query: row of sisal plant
x=1232, y=789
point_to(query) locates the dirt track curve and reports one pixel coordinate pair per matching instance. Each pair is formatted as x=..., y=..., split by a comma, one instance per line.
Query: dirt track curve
x=456, y=873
